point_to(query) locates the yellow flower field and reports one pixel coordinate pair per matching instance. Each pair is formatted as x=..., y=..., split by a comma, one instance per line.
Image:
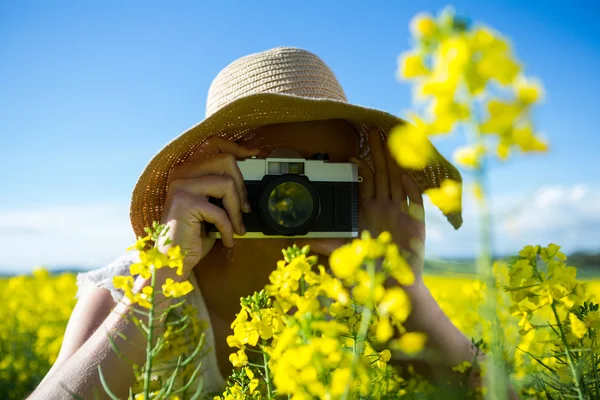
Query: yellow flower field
x=35, y=310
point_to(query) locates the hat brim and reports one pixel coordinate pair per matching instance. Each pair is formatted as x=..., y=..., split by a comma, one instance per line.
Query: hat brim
x=245, y=114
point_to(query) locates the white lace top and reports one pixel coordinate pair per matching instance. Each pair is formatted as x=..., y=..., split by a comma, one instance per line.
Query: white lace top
x=103, y=277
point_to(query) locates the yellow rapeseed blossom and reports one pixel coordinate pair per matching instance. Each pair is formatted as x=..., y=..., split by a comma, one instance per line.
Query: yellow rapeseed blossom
x=469, y=156
x=423, y=26
x=577, y=326
x=529, y=91
x=176, y=289
x=410, y=145
x=412, y=65
x=447, y=197
x=410, y=343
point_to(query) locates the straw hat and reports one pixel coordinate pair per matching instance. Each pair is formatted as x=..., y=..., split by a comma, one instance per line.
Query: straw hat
x=283, y=84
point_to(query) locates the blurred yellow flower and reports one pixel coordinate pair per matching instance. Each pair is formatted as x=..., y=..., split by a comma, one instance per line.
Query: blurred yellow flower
x=412, y=65
x=577, y=326
x=527, y=141
x=423, y=26
x=469, y=156
x=528, y=90
x=447, y=197
x=410, y=342
x=396, y=303
x=410, y=145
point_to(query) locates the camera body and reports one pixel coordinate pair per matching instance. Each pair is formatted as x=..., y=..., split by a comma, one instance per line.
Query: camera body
x=291, y=196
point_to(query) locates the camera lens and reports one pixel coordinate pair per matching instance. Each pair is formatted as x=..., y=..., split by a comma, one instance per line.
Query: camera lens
x=290, y=204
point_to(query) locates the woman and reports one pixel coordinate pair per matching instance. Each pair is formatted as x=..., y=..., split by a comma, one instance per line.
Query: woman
x=283, y=97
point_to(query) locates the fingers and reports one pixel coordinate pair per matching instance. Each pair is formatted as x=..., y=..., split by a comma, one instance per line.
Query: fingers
x=213, y=214
x=222, y=164
x=191, y=211
x=397, y=190
x=221, y=187
x=366, y=188
x=415, y=208
x=382, y=182
x=229, y=147
x=412, y=190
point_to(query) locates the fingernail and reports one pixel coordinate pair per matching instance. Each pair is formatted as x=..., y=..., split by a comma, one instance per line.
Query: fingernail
x=243, y=229
x=354, y=160
x=246, y=206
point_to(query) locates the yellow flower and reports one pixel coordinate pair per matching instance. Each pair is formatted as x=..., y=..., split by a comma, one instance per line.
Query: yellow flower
x=385, y=355
x=340, y=379
x=395, y=302
x=176, y=289
x=345, y=260
x=384, y=330
x=410, y=145
x=462, y=367
x=445, y=113
x=453, y=54
x=528, y=91
x=176, y=259
x=141, y=269
x=238, y=359
x=447, y=197
x=411, y=342
x=423, y=26
x=527, y=141
x=154, y=257
x=577, y=326
x=484, y=39
x=143, y=297
x=412, y=65
x=469, y=156
x=502, y=116
x=397, y=266
x=140, y=244
x=124, y=283
x=246, y=333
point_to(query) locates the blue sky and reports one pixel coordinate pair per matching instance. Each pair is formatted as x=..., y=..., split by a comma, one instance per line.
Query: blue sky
x=90, y=91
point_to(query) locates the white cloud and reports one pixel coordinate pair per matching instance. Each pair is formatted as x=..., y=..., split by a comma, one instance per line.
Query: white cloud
x=566, y=215
x=85, y=236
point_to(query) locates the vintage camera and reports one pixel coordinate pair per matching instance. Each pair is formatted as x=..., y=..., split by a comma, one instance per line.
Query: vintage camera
x=293, y=196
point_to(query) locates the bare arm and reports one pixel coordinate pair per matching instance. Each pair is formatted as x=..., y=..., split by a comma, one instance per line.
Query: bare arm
x=89, y=313
x=78, y=371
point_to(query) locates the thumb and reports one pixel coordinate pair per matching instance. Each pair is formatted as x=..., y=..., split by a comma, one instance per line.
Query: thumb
x=322, y=246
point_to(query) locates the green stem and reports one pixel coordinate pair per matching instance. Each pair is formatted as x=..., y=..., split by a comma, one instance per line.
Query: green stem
x=364, y=326
x=267, y=378
x=568, y=353
x=149, y=338
x=495, y=377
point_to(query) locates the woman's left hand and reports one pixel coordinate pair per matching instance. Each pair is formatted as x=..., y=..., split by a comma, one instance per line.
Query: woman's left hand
x=389, y=200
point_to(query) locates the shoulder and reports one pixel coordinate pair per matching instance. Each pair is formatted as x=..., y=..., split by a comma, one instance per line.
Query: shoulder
x=103, y=277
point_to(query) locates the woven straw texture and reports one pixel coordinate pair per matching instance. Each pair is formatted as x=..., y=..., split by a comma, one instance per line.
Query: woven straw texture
x=283, y=84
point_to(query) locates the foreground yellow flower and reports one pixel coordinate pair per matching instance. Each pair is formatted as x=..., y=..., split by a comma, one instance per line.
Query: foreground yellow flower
x=447, y=197
x=176, y=289
x=423, y=26
x=577, y=326
x=528, y=90
x=410, y=145
x=410, y=343
x=469, y=156
x=412, y=65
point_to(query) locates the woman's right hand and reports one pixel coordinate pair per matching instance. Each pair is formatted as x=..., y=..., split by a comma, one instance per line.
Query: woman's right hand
x=212, y=171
